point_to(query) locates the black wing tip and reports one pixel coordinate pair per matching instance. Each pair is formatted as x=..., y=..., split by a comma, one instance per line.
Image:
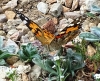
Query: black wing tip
x=16, y=11
x=22, y=16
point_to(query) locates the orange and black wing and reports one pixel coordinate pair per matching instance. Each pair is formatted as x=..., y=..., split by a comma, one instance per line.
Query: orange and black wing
x=42, y=35
x=67, y=31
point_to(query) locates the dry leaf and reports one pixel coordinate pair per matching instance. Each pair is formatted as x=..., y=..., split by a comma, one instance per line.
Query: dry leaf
x=24, y=77
x=90, y=50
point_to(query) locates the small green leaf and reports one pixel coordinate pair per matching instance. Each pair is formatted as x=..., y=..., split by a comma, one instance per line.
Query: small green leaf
x=2, y=62
x=74, y=61
x=96, y=31
x=5, y=55
x=90, y=15
x=1, y=42
x=22, y=55
x=1, y=52
x=44, y=64
x=95, y=8
x=89, y=36
x=27, y=52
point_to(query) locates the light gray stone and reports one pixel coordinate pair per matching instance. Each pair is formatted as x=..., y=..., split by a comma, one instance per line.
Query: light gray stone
x=11, y=46
x=72, y=15
x=2, y=18
x=1, y=10
x=99, y=25
x=12, y=31
x=75, y=4
x=11, y=4
x=43, y=7
x=23, y=69
x=13, y=22
x=40, y=21
x=35, y=72
x=56, y=9
x=3, y=72
x=2, y=33
x=24, y=39
x=93, y=5
x=63, y=23
x=24, y=2
x=2, y=79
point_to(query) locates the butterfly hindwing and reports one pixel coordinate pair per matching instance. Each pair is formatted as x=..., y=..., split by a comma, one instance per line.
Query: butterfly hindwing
x=67, y=30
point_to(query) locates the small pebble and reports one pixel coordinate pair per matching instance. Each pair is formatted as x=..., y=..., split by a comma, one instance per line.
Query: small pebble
x=10, y=14
x=56, y=9
x=3, y=18
x=43, y=7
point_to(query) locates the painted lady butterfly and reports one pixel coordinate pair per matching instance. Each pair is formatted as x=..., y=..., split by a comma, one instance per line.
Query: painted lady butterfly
x=47, y=38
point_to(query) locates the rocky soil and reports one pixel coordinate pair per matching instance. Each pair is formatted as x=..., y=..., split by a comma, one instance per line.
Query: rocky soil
x=53, y=15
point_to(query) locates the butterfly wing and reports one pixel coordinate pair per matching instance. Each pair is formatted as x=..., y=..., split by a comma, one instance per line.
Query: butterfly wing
x=42, y=35
x=67, y=30
x=46, y=38
x=66, y=35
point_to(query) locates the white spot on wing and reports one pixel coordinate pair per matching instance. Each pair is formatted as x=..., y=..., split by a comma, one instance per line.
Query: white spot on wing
x=26, y=18
x=78, y=22
x=71, y=25
x=18, y=15
x=25, y=22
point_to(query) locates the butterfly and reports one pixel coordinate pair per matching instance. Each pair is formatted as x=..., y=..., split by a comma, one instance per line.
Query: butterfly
x=47, y=38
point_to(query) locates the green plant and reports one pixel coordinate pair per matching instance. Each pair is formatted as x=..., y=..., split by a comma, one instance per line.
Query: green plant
x=12, y=75
x=28, y=52
x=90, y=15
x=98, y=80
x=3, y=56
x=54, y=67
x=75, y=61
x=6, y=48
x=60, y=67
x=89, y=36
x=96, y=77
x=96, y=56
x=92, y=36
x=4, y=53
x=80, y=47
x=95, y=8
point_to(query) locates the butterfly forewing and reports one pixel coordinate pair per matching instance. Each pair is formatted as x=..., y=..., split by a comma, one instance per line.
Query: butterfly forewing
x=43, y=36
